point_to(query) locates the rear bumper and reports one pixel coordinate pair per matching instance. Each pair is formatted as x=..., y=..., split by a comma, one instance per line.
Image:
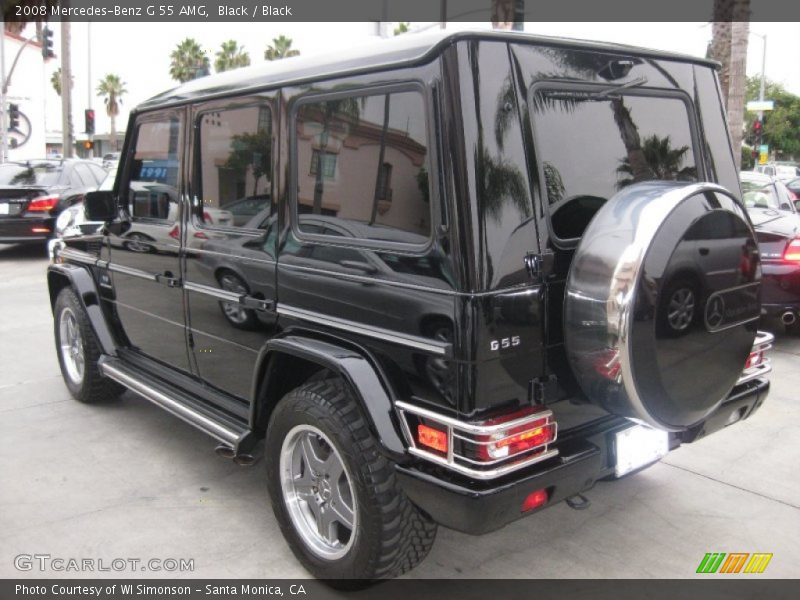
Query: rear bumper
x=780, y=288
x=585, y=455
x=26, y=229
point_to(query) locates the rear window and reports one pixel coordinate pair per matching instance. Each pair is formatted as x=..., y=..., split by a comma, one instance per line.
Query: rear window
x=591, y=146
x=43, y=174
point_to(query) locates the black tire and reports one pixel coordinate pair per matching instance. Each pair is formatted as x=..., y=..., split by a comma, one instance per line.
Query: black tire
x=392, y=535
x=92, y=387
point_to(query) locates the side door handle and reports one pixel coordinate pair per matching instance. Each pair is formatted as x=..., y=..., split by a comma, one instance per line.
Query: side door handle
x=167, y=279
x=256, y=303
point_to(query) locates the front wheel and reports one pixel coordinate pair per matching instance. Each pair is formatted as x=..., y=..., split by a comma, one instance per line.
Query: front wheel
x=79, y=351
x=335, y=496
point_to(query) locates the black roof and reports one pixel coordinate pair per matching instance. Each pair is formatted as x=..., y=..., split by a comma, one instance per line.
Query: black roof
x=403, y=50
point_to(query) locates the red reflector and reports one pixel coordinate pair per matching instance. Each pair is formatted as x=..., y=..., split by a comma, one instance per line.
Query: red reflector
x=792, y=251
x=432, y=438
x=534, y=500
x=40, y=230
x=175, y=233
x=43, y=204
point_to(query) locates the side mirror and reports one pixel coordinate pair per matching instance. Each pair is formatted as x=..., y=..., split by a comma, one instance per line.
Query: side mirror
x=100, y=206
x=786, y=206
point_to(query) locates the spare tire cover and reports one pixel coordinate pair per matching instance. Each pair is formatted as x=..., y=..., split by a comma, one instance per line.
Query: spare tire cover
x=662, y=302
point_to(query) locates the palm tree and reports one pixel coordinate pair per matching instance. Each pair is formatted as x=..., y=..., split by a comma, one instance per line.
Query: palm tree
x=188, y=61
x=664, y=161
x=55, y=80
x=231, y=56
x=281, y=47
x=111, y=89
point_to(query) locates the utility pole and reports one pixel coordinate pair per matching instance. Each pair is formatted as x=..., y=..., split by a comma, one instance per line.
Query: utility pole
x=68, y=146
x=89, y=79
x=3, y=122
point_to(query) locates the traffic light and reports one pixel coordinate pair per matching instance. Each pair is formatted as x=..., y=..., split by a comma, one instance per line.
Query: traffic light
x=88, y=115
x=758, y=130
x=47, y=43
x=13, y=117
x=88, y=145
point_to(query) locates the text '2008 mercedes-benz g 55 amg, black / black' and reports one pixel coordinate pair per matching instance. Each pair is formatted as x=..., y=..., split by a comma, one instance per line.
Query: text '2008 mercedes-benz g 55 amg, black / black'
x=448, y=280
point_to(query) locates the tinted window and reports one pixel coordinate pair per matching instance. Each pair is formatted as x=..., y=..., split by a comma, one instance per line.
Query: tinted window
x=44, y=174
x=758, y=195
x=362, y=160
x=85, y=174
x=235, y=164
x=591, y=147
x=153, y=188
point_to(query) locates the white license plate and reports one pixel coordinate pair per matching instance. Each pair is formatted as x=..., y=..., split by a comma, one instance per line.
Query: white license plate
x=3, y=208
x=638, y=446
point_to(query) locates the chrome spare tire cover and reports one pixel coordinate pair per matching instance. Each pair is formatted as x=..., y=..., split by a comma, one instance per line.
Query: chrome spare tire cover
x=662, y=302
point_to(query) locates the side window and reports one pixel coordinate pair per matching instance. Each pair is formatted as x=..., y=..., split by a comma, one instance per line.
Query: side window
x=361, y=161
x=234, y=166
x=152, y=191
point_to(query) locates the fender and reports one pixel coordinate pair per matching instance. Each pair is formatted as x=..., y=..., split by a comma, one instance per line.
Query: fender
x=80, y=279
x=353, y=367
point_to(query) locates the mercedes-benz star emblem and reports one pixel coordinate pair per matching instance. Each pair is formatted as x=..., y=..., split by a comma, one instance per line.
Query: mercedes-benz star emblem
x=715, y=312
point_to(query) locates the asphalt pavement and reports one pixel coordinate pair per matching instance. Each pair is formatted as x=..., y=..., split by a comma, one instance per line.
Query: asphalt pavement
x=125, y=480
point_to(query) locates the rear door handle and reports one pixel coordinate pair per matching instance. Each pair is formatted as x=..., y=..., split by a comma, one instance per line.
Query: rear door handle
x=168, y=280
x=703, y=251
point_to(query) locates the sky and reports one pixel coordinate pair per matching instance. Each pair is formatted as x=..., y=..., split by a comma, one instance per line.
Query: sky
x=139, y=52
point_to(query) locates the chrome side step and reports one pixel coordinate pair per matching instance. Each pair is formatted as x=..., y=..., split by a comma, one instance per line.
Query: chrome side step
x=187, y=408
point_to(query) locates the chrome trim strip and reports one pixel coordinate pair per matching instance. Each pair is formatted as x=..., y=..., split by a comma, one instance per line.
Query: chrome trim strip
x=514, y=463
x=183, y=412
x=212, y=291
x=412, y=341
x=487, y=474
x=755, y=372
x=471, y=427
x=116, y=268
x=77, y=255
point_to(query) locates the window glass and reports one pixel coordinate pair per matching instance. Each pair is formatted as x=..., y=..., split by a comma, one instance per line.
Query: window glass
x=85, y=175
x=98, y=172
x=153, y=187
x=592, y=146
x=235, y=165
x=758, y=195
x=361, y=161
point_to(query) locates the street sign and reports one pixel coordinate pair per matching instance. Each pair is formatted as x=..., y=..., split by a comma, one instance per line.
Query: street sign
x=760, y=105
x=763, y=154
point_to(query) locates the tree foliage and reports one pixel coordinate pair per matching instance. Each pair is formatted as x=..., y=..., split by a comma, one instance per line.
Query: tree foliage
x=231, y=56
x=281, y=47
x=188, y=61
x=782, y=125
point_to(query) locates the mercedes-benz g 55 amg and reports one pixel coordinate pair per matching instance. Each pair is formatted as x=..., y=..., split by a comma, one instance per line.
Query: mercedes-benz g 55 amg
x=459, y=280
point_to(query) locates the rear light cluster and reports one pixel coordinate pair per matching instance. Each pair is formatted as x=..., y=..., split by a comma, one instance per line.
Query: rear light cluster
x=792, y=252
x=485, y=449
x=757, y=363
x=43, y=204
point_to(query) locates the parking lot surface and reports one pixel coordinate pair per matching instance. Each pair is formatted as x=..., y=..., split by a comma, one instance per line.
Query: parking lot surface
x=127, y=480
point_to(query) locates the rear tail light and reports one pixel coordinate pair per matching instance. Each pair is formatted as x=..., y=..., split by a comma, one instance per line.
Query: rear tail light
x=515, y=440
x=175, y=233
x=792, y=252
x=40, y=230
x=758, y=363
x=482, y=450
x=431, y=437
x=43, y=204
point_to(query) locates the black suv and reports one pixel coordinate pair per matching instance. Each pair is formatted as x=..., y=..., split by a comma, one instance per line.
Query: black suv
x=482, y=272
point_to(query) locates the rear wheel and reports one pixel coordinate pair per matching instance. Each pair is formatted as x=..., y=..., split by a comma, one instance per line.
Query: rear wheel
x=78, y=352
x=334, y=494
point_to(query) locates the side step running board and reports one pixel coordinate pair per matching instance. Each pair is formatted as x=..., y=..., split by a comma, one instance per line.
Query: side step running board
x=218, y=425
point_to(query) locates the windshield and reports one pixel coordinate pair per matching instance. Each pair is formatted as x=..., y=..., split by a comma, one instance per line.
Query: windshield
x=757, y=195
x=42, y=174
x=593, y=145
